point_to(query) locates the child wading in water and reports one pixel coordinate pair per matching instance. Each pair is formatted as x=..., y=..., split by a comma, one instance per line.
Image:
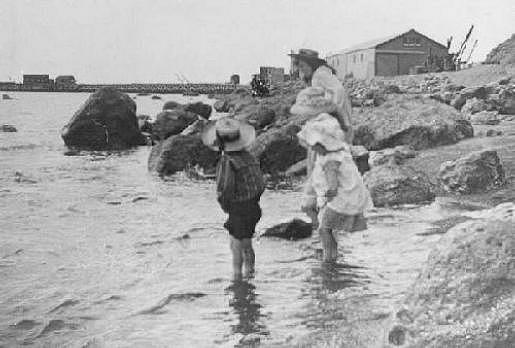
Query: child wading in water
x=341, y=196
x=240, y=184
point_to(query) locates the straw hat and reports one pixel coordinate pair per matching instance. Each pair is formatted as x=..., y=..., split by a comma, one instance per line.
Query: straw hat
x=326, y=131
x=308, y=55
x=311, y=101
x=236, y=134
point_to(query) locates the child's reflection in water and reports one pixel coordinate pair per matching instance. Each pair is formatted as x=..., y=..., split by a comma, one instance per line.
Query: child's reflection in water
x=244, y=302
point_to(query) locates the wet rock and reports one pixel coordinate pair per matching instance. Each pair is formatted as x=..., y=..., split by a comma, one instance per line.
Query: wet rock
x=412, y=120
x=278, y=149
x=172, y=122
x=179, y=152
x=465, y=294
x=291, y=230
x=478, y=172
x=106, y=121
x=199, y=108
x=397, y=155
x=485, y=117
x=474, y=105
x=393, y=185
x=8, y=128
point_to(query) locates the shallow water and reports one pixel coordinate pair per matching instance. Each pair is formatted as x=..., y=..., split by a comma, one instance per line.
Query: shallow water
x=95, y=251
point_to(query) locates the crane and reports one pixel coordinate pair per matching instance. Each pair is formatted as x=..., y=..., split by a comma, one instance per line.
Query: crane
x=463, y=45
x=471, y=51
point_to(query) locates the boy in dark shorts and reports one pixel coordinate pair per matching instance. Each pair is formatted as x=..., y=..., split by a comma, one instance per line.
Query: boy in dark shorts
x=239, y=185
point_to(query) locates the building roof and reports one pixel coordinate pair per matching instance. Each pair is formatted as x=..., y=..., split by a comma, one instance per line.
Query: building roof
x=374, y=43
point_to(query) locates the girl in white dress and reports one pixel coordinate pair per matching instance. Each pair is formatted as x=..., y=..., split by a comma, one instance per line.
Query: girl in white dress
x=341, y=196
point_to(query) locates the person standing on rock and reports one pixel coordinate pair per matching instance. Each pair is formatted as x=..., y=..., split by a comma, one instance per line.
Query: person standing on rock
x=315, y=72
x=240, y=185
x=318, y=74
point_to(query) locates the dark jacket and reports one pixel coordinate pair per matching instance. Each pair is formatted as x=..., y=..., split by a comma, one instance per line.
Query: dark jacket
x=238, y=178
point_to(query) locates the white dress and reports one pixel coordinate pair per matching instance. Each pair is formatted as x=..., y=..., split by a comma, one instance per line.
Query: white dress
x=352, y=196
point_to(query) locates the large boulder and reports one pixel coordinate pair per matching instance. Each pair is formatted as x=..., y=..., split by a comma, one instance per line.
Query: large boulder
x=485, y=117
x=397, y=155
x=416, y=121
x=465, y=295
x=106, y=121
x=391, y=184
x=278, y=149
x=477, y=172
x=172, y=122
x=180, y=152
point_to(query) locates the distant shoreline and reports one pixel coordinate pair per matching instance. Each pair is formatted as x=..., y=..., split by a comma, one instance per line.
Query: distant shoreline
x=204, y=88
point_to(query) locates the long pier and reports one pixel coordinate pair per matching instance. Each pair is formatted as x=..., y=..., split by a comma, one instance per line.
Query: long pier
x=151, y=88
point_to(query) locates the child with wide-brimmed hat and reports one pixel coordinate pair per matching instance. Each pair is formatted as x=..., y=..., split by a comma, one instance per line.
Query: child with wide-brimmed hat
x=341, y=196
x=239, y=183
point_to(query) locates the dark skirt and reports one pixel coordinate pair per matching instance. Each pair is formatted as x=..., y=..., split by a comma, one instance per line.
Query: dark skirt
x=243, y=218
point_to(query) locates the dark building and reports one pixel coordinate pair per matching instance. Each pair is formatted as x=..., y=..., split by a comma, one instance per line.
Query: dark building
x=65, y=83
x=271, y=75
x=8, y=86
x=235, y=79
x=395, y=55
x=37, y=82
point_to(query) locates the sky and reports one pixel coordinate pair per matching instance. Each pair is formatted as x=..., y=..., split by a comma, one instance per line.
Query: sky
x=122, y=41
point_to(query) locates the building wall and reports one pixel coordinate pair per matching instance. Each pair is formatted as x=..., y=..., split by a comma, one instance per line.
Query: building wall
x=398, y=56
x=361, y=63
x=339, y=63
x=271, y=75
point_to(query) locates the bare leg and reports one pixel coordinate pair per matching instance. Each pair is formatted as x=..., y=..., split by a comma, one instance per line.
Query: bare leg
x=328, y=244
x=249, y=258
x=237, y=256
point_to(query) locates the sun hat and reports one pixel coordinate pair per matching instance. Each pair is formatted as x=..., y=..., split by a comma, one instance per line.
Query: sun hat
x=308, y=55
x=311, y=101
x=325, y=130
x=236, y=134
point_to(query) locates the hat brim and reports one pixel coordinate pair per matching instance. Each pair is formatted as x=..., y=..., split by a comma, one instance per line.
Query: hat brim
x=247, y=137
x=307, y=58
